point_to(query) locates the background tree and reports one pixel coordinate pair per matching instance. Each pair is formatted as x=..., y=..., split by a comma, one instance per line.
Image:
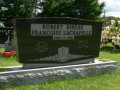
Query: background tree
x=84, y=9
x=59, y=8
x=11, y=9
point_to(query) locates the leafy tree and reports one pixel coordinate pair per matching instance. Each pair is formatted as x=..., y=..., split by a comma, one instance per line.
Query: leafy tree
x=84, y=9
x=11, y=9
x=59, y=8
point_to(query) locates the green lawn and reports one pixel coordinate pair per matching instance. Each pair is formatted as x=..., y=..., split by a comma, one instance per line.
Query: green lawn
x=110, y=81
x=8, y=61
x=1, y=49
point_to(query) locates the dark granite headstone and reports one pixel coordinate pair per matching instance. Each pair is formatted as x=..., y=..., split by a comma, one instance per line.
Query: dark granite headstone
x=57, y=40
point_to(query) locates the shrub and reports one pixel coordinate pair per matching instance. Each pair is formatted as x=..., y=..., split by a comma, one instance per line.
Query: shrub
x=111, y=34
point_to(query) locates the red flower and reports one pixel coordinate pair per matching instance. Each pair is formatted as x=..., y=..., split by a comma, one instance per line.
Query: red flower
x=6, y=53
x=12, y=51
x=9, y=53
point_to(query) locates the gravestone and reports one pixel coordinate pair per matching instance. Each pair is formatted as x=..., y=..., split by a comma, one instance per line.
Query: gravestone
x=62, y=42
x=6, y=38
x=45, y=42
x=9, y=44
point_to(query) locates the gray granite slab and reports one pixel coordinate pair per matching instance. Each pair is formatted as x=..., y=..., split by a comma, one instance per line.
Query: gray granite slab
x=40, y=75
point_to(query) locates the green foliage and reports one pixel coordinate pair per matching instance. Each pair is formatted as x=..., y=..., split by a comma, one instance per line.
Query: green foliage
x=11, y=9
x=108, y=19
x=84, y=9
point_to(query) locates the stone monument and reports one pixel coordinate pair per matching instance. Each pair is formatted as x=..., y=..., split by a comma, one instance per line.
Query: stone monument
x=45, y=42
x=9, y=44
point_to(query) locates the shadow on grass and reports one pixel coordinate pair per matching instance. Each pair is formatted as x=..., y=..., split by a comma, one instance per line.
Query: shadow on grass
x=110, y=50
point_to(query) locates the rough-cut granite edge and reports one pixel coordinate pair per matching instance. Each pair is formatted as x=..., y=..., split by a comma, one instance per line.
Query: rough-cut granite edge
x=40, y=75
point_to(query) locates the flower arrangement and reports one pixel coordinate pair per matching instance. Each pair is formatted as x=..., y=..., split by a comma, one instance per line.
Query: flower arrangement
x=8, y=54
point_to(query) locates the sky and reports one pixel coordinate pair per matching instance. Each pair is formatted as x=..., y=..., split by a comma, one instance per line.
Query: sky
x=112, y=7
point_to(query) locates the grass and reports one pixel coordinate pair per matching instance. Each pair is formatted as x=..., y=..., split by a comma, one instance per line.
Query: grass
x=8, y=61
x=109, y=53
x=109, y=81
x=2, y=49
